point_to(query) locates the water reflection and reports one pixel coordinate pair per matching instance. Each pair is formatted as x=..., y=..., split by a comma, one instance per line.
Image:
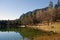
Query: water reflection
x=20, y=33
x=10, y=36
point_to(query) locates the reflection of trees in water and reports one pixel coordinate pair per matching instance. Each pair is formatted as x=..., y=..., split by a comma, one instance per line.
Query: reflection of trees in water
x=19, y=30
x=27, y=32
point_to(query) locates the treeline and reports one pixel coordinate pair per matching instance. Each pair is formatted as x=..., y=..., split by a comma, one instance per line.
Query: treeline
x=9, y=23
x=34, y=17
x=40, y=15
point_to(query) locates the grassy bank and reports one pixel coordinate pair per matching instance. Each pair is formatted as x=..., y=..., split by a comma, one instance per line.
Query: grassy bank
x=55, y=27
x=36, y=33
x=28, y=32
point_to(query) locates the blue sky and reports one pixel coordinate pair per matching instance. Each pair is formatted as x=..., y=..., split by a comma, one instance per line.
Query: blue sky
x=13, y=9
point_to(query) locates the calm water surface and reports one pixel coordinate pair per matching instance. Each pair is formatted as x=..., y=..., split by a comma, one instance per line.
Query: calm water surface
x=12, y=34
x=19, y=33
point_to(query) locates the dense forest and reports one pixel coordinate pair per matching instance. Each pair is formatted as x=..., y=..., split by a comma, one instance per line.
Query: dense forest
x=48, y=14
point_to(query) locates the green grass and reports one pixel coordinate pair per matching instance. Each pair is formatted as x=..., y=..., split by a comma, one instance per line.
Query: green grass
x=31, y=32
x=28, y=32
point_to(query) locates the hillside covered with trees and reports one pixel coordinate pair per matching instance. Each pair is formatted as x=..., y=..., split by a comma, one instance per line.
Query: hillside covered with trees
x=47, y=14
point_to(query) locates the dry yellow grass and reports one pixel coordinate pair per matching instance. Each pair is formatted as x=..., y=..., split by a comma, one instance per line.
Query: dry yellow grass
x=45, y=27
x=57, y=27
x=52, y=37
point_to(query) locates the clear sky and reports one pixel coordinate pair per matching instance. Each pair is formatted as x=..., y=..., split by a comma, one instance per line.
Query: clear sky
x=13, y=9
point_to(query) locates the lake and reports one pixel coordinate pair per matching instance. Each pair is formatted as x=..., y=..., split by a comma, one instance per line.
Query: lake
x=11, y=35
x=21, y=33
